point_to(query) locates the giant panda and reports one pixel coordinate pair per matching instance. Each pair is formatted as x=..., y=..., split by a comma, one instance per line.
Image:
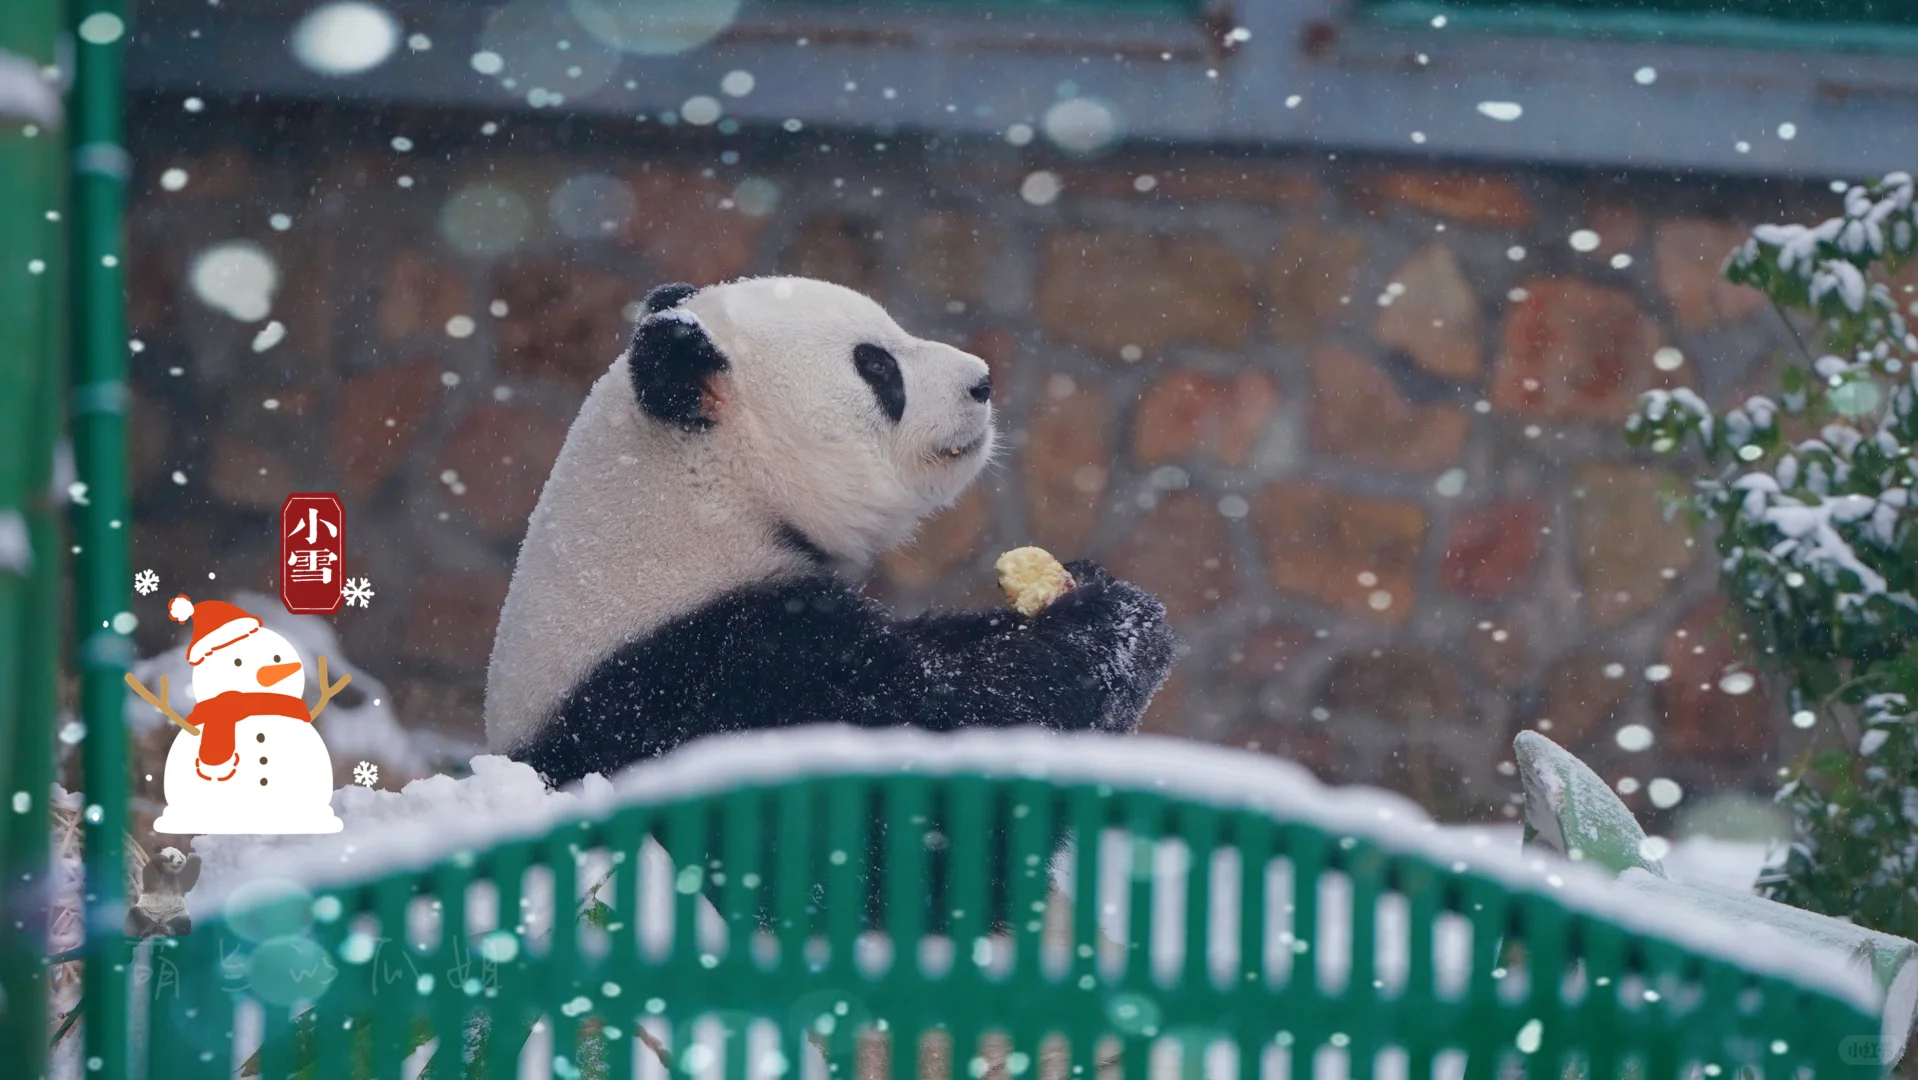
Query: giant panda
x=690, y=566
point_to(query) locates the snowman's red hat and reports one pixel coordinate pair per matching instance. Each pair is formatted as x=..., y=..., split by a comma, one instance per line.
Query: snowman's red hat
x=215, y=624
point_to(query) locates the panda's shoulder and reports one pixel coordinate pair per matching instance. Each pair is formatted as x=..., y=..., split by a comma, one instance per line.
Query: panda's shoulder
x=786, y=629
x=820, y=602
x=765, y=649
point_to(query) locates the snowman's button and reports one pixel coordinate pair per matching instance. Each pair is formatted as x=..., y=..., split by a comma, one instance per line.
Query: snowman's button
x=262, y=781
x=262, y=761
x=261, y=737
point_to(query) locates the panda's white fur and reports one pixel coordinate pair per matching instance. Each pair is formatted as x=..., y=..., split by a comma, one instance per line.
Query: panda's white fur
x=643, y=521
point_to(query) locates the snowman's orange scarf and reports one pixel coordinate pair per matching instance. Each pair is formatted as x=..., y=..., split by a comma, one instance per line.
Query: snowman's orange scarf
x=217, y=715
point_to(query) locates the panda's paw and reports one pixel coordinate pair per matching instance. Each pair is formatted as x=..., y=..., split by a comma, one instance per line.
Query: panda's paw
x=1122, y=632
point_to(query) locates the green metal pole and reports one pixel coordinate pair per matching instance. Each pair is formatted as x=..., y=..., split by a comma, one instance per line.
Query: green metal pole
x=32, y=377
x=100, y=512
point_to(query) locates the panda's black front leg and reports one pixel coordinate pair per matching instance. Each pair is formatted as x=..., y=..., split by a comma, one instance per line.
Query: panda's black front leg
x=1091, y=661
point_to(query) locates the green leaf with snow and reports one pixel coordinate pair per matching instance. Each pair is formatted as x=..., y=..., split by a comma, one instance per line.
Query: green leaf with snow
x=1817, y=546
x=1571, y=811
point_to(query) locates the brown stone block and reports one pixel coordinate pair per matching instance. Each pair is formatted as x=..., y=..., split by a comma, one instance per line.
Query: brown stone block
x=1169, y=712
x=1106, y=290
x=1476, y=199
x=502, y=454
x=298, y=402
x=246, y=474
x=1357, y=554
x=1410, y=690
x=1620, y=227
x=564, y=320
x=148, y=428
x=1187, y=414
x=944, y=542
x=840, y=248
x=1702, y=720
x=379, y=415
x=1435, y=320
x=449, y=619
x=1227, y=182
x=1624, y=542
x=681, y=227
x=1574, y=349
x=1691, y=254
x=1491, y=549
x=1313, y=268
x=1315, y=746
x=1180, y=552
x=949, y=256
x=364, y=170
x=1359, y=414
x=1504, y=658
x=1585, y=698
x=1267, y=650
x=421, y=294
x=152, y=289
x=453, y=708
x=225, y=172
x=1068, y=462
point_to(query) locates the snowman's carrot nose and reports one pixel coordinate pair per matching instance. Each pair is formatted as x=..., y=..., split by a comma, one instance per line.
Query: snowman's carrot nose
x=273, y=673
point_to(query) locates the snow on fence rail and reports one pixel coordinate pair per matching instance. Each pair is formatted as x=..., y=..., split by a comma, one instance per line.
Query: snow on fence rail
x=439, y=817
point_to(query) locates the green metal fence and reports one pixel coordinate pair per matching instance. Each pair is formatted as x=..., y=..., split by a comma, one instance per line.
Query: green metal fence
x=1265, y=962
x=32, y=384
x=102, y=509
x=63, y=349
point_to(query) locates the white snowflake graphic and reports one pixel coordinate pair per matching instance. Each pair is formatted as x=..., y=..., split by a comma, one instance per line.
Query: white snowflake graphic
x=145, y=582
x=366, y=774
x=357, y=590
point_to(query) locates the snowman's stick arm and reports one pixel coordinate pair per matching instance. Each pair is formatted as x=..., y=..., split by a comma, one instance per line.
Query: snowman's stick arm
x=327, y=692
x=160, y=702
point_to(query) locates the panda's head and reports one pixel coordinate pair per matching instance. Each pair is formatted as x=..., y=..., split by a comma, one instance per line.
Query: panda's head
x=844, y=429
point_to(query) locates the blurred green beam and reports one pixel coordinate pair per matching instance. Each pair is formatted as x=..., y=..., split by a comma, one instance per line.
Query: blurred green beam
x=32, y=383
x=101, y=513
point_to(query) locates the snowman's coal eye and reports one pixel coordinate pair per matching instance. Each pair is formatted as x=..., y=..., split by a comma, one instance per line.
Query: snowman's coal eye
x=236, y=661
x=276, y=658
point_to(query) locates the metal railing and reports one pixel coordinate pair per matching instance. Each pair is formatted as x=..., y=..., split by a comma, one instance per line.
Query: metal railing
x=862, y=908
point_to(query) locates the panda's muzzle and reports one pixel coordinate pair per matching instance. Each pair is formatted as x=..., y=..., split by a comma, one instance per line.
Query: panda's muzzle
x=966, y=450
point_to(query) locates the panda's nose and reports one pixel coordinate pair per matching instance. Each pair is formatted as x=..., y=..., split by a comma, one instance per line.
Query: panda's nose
x=982, y=390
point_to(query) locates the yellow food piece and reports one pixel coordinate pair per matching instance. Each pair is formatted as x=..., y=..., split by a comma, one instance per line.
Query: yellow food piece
x=1032, y=579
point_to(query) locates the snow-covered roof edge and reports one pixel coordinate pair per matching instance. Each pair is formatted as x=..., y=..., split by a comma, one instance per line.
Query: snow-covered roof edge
x=1211, y=775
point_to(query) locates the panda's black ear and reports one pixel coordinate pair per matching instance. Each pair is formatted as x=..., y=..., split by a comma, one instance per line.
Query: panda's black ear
x=672, y=362
x=668, y=296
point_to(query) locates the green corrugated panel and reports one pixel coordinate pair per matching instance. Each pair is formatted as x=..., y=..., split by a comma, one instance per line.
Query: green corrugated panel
x=797, y=875
x=1081, y=7
x=1900, y=12
x=32, y=182
x=1841, y=25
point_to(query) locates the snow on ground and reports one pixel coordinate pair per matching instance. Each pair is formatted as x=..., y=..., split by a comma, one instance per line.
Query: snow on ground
x=1705, y=860
x=435, y=817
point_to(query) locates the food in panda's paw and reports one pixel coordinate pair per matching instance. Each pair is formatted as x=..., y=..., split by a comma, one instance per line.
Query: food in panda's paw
x=1032, y=579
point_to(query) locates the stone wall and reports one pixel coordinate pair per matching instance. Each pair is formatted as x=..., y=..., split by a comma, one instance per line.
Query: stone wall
x=1355, y=420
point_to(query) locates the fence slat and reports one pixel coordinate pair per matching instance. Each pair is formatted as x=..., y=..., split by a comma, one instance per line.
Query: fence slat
x=828, y=853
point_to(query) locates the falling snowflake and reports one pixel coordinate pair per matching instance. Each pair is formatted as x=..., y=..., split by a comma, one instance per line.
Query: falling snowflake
x=366, y=774
x=145, y=582
x=357, y=591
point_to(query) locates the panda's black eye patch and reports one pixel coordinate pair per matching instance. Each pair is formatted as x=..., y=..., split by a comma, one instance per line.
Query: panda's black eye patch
x=881, y=372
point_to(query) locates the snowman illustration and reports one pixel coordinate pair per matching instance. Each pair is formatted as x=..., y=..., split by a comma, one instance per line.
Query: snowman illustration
x=248, y=758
